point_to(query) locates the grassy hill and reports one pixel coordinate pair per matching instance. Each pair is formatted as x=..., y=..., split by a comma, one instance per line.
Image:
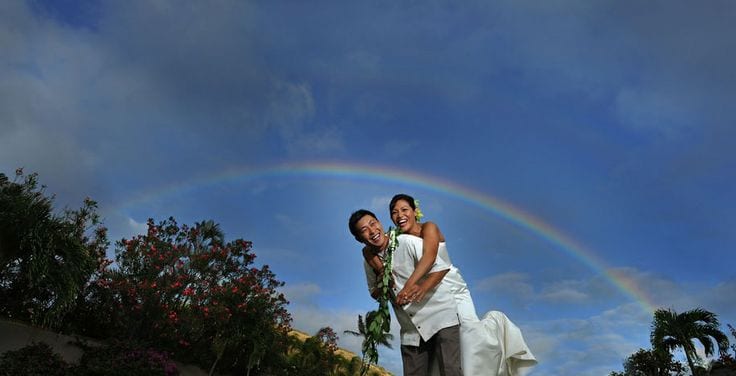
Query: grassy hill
x=375, y=370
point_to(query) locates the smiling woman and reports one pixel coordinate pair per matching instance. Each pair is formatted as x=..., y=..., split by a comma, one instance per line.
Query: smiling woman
x=383, y=174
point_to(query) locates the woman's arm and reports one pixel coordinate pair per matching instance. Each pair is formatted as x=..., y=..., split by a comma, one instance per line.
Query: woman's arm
x=412, y=291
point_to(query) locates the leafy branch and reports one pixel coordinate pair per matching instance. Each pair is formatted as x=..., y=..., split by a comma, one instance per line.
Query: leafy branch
x=378, y=322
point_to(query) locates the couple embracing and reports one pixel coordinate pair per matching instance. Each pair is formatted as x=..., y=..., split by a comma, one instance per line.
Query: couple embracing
x=441, y=333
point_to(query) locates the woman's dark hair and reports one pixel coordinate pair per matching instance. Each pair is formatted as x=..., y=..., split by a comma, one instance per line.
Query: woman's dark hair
x=401, y=196
x=354, y=218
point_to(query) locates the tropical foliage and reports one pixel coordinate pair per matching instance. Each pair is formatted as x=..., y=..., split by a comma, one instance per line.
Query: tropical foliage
x=671, y=331
x=185, y=290
x=39, y=359
x=378, y=322
x=726, y=364
x=319, y=355
x=46, y=259
x=176, y=291
x=651, y=363
x=384, y=340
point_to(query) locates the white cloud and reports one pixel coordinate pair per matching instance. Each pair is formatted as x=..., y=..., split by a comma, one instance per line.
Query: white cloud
x=566, y=291
x=135, y=227
x=301, y=293
x=565, y=295
x=290, y=224
x=512, y=283
x=587, y=345
x=598, y=344
x=87, y=97
x=43, y=73
x=316, y=142
x=657, y=109
x=290, y=112
x=379, y=206
x=398, y=148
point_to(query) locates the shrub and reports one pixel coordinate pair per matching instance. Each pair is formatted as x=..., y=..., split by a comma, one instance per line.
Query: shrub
x=185, y=290
x=119, y=359
x=36, y=359
x=46, y=259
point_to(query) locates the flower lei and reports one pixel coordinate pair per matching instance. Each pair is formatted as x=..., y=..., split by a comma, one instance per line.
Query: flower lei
x=378, y=322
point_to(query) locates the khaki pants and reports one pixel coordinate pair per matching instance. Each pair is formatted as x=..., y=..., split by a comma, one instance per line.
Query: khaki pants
x=443, y=347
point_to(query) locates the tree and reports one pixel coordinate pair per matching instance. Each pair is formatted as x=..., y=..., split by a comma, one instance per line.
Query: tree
x=317, y=355
x=726, y=362
x=671, y=330
x=46, y=259
x=385, y=340
x=382, y=338
x=185, y=290
x=652, y=363
x=206, y=234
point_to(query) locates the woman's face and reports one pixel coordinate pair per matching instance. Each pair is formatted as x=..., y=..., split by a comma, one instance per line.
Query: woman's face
x=403, y=215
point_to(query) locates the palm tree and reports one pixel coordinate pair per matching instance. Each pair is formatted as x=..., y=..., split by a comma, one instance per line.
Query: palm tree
x=208, y=234
x=385, y=340
x=45, y=258
x=671, y=330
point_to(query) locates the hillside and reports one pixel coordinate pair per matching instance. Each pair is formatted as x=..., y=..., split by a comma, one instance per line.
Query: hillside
x=375, y=370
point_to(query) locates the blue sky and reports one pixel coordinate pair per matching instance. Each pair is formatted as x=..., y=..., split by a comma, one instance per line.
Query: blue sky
x=611, y=122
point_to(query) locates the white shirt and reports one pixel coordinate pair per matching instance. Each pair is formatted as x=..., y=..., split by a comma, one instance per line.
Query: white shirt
x=436, y=311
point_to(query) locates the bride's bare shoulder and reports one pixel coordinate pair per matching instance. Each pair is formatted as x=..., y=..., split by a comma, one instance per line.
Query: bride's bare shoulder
x=430, y=229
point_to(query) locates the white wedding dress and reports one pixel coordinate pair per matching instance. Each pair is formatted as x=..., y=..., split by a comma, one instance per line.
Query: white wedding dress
x=493, y=346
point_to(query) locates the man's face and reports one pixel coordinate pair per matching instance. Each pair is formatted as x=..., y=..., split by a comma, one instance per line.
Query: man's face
x=371, y=231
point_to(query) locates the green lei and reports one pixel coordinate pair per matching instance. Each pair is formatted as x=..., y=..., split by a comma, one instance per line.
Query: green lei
x=378, y=322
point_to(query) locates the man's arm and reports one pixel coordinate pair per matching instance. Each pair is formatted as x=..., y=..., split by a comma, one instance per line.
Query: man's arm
x=372, y=279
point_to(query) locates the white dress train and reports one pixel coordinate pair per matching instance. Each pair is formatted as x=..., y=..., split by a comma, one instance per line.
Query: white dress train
x=493, y=346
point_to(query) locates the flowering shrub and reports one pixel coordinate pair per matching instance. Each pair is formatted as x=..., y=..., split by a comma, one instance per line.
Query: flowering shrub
x=183, y=289
x=328, y=338
x=113, y=360
x=35, y=359
x=120, y=359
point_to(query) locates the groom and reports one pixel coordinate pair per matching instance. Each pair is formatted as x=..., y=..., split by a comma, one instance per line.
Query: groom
x=429, y=328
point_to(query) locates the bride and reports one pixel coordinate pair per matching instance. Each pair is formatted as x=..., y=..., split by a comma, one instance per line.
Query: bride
x=493, y=346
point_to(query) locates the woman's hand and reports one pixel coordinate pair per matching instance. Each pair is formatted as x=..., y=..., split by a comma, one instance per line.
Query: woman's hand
x=411, y=294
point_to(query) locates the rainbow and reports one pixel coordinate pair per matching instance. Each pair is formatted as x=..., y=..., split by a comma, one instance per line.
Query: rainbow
x=492, y=204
